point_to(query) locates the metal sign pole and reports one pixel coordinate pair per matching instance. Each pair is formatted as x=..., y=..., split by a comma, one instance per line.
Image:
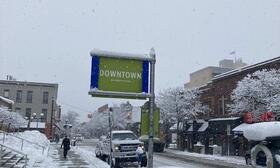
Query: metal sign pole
x=151, y=110
x=110, y=127
x=228, y=136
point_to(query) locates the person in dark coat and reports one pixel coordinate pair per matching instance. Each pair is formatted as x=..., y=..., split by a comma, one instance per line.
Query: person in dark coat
x=66, y=146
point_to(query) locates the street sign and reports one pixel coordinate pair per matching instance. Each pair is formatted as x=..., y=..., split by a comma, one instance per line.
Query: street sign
x=144, y=127
x=119, y=77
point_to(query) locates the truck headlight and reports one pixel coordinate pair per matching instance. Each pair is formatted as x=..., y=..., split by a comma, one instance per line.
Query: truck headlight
x=143, y=147
x=117, y=147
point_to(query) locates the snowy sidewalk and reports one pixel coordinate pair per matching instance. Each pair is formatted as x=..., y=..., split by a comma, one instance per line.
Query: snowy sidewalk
x=73, y=160
x=220, y=161
x=76, y=158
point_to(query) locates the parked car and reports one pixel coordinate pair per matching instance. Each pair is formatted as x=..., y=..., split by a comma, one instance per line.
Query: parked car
x=78, y=137
x=99, y=147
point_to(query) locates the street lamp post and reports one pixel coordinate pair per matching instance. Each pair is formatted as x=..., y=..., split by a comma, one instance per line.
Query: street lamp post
x=29, y=120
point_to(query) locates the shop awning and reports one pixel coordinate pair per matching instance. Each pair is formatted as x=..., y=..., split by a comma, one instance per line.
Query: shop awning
x=203, y=127
x=221, y=125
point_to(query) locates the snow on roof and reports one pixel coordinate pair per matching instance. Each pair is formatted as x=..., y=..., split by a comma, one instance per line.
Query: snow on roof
x=7, y=100
x=203, y=127
x=224, y=119
x=235, y=71
x=197, y=120
x=260, y=131
x=122, y=131
x=102, y=53
x=240, y=128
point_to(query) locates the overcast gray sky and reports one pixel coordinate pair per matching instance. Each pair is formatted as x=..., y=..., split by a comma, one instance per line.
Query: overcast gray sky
x=49, y=41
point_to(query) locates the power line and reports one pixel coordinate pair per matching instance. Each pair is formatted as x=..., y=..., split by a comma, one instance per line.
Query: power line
x=76, y=107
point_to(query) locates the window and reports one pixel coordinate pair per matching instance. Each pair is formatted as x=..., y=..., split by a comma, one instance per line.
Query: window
x=28, y=113
x=19, y=96
x=18, y=110
x=29, y=97
x=223, y=105
x=6, y=93
x=45, y=113
x=45, y=97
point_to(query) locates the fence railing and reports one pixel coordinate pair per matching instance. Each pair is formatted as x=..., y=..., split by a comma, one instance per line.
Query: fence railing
x=16, y=151
x=5, y=134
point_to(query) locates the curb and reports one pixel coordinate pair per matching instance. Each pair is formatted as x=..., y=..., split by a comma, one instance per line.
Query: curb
x=217, y=163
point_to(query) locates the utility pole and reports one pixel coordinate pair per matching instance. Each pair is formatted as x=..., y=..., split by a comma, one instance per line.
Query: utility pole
x=110, y=132
x=151, y=110
x=51, y=128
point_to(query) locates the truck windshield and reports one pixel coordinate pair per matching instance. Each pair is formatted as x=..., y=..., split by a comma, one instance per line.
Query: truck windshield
x=124, y=136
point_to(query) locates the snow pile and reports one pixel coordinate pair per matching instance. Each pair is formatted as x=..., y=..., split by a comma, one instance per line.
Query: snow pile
x=199, y=144
x=7, y=100
x=35, y=137
x=277, y=157
x=33, y=150
x=260, y=131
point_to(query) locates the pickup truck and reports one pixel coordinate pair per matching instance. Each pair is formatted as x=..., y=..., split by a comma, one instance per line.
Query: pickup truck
x=124, y=145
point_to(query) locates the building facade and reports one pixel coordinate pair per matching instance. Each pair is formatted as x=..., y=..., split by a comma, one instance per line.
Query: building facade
x=34, y=101
x=203, y=76
x=217, y=93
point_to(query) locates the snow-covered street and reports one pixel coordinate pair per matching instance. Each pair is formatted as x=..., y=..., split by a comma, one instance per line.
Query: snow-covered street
x=83, y=156
x=164, y=162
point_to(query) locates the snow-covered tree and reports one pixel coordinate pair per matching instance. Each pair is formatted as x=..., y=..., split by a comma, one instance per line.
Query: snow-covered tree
x=12, y=118
x=257, y=93
x=71, y=117
x=177, y=104
x=121, y=115
x=98, y=125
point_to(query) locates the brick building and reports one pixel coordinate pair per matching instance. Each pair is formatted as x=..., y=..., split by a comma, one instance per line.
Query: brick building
x=216, y=94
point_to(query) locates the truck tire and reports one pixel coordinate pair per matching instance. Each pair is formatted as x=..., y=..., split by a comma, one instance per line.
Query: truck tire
x=103, y=157
x=116, y=163
x=144, y=162
x=264, y=150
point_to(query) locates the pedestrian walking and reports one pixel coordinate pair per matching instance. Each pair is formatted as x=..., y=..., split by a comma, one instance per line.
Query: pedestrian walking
x=139, y=153
x=66, y=146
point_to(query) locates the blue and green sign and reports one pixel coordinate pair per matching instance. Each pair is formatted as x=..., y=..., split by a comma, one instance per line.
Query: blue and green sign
x=119, y=75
